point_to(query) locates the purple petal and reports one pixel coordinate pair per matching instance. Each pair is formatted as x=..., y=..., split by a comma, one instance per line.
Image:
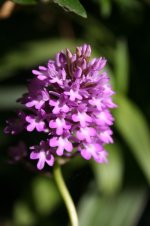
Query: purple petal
x=31, y=127
x=102, y=157
x=53, y=142
x=40, y=126
x=86, y=155
x=52, y=124
x=34, y=155
x=50, y=161
x=41, y=163
x=60, y=151
x=68, y=146
x=29, y=119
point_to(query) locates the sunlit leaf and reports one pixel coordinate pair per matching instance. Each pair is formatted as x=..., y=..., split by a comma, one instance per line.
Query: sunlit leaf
x=132, y=125
x=73, y=6
x=121, y=210
x=109, y=176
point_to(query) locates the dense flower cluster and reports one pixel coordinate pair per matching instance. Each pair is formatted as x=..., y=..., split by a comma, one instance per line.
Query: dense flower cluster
x=69, y=101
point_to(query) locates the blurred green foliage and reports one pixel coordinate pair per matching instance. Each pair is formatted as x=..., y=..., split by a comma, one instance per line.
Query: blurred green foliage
x=115, y=194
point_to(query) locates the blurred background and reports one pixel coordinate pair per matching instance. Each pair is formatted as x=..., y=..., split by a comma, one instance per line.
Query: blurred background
x=116, y=194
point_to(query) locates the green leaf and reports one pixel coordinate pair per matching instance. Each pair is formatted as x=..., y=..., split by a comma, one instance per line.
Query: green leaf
x=73, y=6
x=45, y=195
x=109, y=176
x=132, y=125
x=25, y=1
x=87, y=207
x=121, y=210
x=121, y=69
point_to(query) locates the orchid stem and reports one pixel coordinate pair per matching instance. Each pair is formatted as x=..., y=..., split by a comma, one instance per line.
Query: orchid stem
x=65, y=195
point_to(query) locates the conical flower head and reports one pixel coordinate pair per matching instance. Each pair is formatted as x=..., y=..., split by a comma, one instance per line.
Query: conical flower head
x=70, y=100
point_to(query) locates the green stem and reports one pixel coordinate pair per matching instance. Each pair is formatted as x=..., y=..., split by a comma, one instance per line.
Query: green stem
x=65, y=195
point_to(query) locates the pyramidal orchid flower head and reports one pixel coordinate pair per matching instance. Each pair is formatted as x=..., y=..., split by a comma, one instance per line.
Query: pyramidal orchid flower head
x=68, y=100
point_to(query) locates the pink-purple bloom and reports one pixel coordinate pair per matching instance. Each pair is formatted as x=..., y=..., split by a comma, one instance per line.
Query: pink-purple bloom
x=68, y=100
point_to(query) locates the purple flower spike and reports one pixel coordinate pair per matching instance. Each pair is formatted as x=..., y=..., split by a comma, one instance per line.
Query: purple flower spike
x=69, y=102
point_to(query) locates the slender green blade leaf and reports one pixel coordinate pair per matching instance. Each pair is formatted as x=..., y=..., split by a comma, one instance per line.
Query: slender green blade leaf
x=133, y=127
x=121, y=66
x=121, y=210
x=73, y=6
x=87, y=207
